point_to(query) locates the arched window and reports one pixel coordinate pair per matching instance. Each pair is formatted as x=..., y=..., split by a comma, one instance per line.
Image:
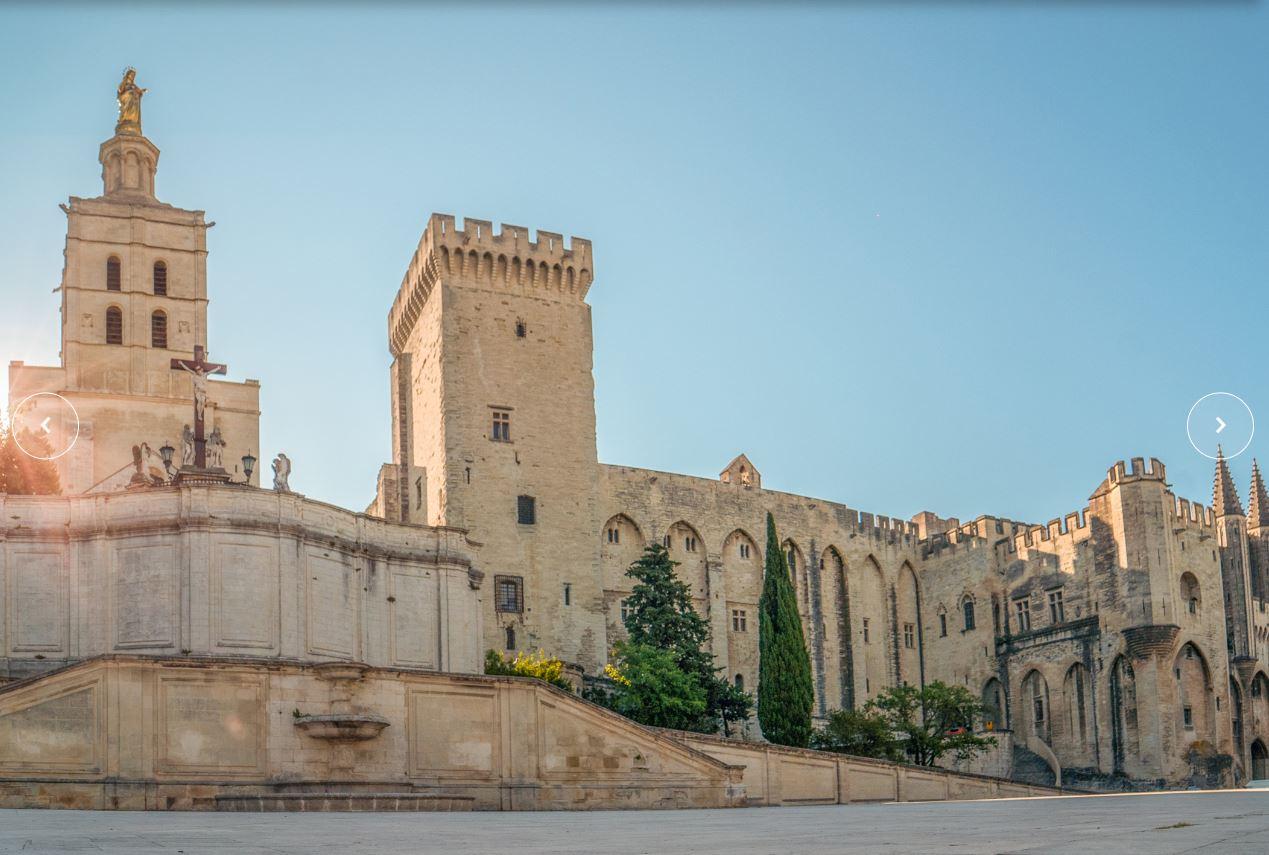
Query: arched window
x=967, y=608
x=114, y=278
x=160, y=278
x=158, y=329
x=740, y=682
x=114, y=325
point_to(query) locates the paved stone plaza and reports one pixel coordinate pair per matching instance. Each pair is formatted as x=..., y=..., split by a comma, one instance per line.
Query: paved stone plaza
x=1209, y=822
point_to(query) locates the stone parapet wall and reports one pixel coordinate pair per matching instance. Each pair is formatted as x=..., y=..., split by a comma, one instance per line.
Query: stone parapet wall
x=230, y=571
x=776, y=775
x=148, y=733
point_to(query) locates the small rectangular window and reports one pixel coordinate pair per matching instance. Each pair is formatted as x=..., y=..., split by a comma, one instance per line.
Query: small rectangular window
x=667, y=541
x=1188, y=715
x=942, y=626
x=739, y=621
x=160, y=279
x=909, y=636
x=689, y=543
x=614, y=535
x=501, y=431
x=744, y=550
x=568, y=594
x=865, y=630
x=526, y=510
x=113, y=275
x=509, y=594
x=625, y=611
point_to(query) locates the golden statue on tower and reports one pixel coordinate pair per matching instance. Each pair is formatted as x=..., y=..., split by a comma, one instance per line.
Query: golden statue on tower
x=129, y=100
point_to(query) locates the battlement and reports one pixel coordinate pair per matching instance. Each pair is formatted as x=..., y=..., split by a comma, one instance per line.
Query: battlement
x=1193, y=514
x=1139, y=471
x=1068, y=526
x=507, y=257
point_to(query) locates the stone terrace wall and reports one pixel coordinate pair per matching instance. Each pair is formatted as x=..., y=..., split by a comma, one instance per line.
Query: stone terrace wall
x=775, y=775
x=153, y=733
x=230, y=571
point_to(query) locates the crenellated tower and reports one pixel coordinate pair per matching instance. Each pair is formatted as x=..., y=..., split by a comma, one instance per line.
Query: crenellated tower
x=494, y=423
x=1258, y=535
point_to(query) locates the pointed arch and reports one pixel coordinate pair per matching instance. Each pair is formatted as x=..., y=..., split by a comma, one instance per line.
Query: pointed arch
x=840, y=680
x=1077, y=693
x=908, y=625
x=872, y=629
x=1196, y=717
x=994, y=704
x=1124, y=734
x=1034, y=713
x=687, y=547
x=621, y=543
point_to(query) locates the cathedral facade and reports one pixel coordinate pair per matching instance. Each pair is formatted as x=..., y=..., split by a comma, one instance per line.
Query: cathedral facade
x=1121, y=643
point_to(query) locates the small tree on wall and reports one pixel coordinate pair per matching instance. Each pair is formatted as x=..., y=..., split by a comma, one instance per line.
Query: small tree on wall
x=785, y=692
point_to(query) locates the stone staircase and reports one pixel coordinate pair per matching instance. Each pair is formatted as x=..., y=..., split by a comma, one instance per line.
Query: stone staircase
x=1031, y=768
x=337, y=796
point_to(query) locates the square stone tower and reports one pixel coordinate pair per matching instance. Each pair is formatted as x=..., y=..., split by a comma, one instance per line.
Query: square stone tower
x=493, y=424
x=134, y=295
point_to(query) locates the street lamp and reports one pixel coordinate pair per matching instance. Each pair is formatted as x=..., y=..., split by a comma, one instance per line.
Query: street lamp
x=248, y=465
x=166, y=453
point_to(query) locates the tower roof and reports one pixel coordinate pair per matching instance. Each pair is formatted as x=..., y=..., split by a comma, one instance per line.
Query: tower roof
x=1258, y=503
x=1224, y=496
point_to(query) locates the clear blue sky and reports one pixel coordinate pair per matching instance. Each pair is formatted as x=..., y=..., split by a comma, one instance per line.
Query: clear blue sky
x=906, y=256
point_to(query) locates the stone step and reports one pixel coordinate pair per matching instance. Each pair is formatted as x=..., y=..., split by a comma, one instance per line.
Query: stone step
x=335, y=802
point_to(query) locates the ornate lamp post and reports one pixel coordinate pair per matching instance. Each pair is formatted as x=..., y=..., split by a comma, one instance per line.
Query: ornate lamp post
x=248, y=465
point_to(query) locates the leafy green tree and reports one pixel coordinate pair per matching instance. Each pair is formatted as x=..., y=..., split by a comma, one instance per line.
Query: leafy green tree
x=548, y=669
x=919, y=725
x=934, y=720
x=650, y=688
x=660, y=614
x=863, y=733
x=24, y=475
x=785, y=693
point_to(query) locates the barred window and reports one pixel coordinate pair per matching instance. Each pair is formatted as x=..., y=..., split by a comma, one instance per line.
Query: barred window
x=509, y=594
x=160, y=278
x=114, y=325
x=526, y=510
x=114, y=277
x=158, y=330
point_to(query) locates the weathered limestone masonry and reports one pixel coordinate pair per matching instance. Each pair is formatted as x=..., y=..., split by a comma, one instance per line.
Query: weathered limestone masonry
x=1062, y=628
x=132, y=732
x=134, y=295
x=230, y=571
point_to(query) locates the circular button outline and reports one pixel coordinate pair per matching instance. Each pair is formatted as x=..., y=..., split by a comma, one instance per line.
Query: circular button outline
x=13, y=415
x=1190, y=415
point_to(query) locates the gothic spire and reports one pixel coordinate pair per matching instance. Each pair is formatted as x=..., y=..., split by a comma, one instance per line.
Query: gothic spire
x=1224, y=495
x=1258, y=503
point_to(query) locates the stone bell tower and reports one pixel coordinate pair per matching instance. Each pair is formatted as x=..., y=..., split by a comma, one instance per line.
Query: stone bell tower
x=134, y=296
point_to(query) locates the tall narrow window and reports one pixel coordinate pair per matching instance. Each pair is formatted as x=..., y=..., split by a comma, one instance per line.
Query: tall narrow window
x=744, y=550
x=160, y=278
x=1023, y=610
x=114, y=277
x=510, y=638
x=942, y=625
x=614, y=534
x=968, y=608
x=1057, y=614
x=568, y=593
x=526, y=510
x=909, y=635
x=114, y=325
x=158, y=330
x=501, y=426
x=865, y=630
x=740, y=682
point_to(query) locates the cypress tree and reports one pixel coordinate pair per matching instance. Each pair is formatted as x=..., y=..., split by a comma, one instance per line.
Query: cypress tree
x=785, y=693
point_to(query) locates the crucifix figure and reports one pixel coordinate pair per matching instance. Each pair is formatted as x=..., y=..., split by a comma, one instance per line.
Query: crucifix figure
x=199, y=368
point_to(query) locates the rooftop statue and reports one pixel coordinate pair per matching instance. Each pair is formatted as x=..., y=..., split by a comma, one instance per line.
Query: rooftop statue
x=129, y=100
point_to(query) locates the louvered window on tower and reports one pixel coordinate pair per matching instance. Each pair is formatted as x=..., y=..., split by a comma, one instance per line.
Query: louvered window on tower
x=158, y=330
x=114, y=278
x=114, y=325
x=160, y=278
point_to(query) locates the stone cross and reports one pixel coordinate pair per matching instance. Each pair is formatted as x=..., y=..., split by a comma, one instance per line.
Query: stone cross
x=199, y=368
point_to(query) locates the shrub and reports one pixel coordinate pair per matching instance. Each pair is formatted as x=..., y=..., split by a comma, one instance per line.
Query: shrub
x=548, y=669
